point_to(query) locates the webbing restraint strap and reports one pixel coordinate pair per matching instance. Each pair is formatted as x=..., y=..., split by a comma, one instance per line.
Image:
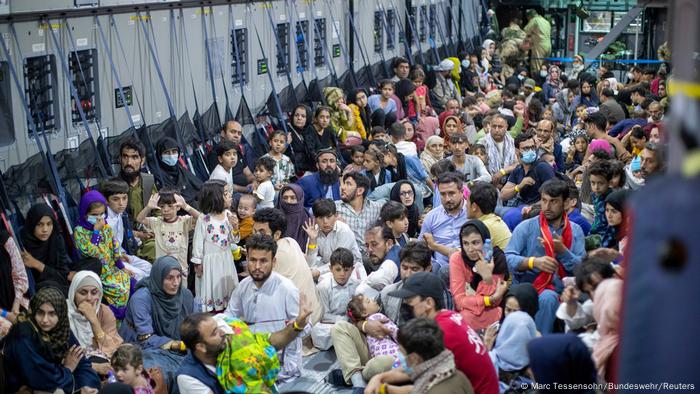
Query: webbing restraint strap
x=326, y=49
x=168, y=100
x=308, y=45
x=388, y=33
x=221, y=66
x=236, y=54
x=431, y=39
x=85, y=82
x=8, y=217
x=414, y=33
x=269, y=77
x=46, y=155
x=115, y=74
x=402, y=33
x=346, y=55
x=74, y=93
x=442, y=32
x=280, y=57
x=197, y=124
x=365, y=56
x=208, y=51
x=300, y=27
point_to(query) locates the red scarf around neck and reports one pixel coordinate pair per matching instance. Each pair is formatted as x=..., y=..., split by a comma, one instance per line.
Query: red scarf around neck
x=544, y=280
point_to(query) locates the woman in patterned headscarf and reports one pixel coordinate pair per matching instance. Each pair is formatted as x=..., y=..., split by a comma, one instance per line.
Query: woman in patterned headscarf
x=343, y=118
x=40, y=351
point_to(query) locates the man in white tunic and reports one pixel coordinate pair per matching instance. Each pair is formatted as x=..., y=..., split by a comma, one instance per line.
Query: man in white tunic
x=268, y=302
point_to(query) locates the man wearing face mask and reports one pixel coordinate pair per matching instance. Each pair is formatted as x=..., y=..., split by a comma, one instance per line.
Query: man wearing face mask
x=524, y=182
x=326, y=182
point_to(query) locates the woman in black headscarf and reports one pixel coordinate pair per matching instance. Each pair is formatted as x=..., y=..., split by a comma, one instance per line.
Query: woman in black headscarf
x=40, y=351
x=300, y=154
x=44, y=250
x=522, y=297
x=357, y=101
x=405, y=90
x=174, y=175
x=477, y=283
x=404, y=192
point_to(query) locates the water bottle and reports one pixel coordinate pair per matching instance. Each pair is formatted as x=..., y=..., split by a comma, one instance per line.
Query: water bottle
x=487, y=250
x=111, y=378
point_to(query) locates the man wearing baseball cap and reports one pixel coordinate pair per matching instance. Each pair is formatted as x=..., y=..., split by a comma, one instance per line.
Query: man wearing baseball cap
x=422, y=291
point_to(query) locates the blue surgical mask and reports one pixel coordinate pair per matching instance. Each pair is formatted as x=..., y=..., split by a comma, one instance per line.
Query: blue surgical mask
x=543, y=73
x=521, y=77
x=404, y=364
x=92, y=219
x=465, y=63
x=169, y=160
x=529, y=156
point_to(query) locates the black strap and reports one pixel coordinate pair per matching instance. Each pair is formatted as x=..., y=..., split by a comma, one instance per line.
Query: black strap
x=402, y=33
x=365, y=56
x=308, y=46
x=414, y=33
x=346, y=55
x=47, y=157
x=74, y=93
x=326, y=50
x=431, y=39
x=168, y=100
x=269, y=76
x=280, y=52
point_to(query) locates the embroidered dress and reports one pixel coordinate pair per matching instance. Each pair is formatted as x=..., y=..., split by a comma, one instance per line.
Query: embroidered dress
x=249, y=363
x=284, y=170
x=102, y=246
x=211, y=247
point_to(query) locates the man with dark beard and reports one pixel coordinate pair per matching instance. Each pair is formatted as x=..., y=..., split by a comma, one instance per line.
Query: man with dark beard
x=326, y=182
x=355, y=208
x=266, y=301
x=132, y=157
x=205, y=337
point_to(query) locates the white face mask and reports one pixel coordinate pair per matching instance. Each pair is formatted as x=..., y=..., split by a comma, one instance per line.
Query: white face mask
x=543, y=74
x=484, y=63
x=465, y=63
x=521, y=77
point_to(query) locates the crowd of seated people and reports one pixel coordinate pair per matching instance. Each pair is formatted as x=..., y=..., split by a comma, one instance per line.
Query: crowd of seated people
x=460, y=227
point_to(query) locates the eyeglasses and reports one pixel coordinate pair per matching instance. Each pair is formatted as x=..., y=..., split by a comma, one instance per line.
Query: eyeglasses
x=406, y=194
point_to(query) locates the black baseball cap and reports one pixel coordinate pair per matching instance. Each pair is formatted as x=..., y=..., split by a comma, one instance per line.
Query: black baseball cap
x=424, y=284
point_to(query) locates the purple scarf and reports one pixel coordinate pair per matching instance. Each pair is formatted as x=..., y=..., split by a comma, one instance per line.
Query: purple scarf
x=296, y=215
x=85, y=201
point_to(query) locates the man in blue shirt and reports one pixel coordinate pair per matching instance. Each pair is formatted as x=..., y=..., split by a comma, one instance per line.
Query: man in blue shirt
x=441, y=226
x=524, y=182
x=326, y=182
x=528, y=258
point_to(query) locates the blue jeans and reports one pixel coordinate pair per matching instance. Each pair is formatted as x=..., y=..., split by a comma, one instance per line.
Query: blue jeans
x=514, y=216
x=546, y=314
x=168, y=362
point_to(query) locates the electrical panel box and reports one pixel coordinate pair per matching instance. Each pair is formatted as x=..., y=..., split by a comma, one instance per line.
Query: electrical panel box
x=83, y=72
x=302, y=34
x=378, y=31
x=40, y=82
x=283, y=51
x=319, y=39
x=391, y=29
x=239, y=39
x=422, y=25
x=7, y=125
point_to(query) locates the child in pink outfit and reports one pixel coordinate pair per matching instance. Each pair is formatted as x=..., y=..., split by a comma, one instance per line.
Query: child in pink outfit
x=366, y=308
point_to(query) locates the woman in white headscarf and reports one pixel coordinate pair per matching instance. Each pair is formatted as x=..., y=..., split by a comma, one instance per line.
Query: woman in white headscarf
x=93, y=324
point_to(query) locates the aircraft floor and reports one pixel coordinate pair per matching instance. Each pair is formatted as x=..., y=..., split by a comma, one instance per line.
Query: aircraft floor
x=315, y=368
